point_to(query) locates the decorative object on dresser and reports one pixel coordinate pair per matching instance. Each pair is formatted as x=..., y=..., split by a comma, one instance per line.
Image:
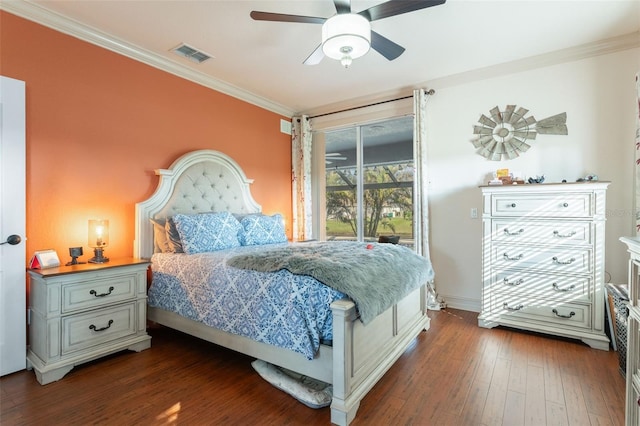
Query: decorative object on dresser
x=632, y=417
x=75, y=253
x=43, y=259
x=543, y=259
x=98, y=239
x=82, y=312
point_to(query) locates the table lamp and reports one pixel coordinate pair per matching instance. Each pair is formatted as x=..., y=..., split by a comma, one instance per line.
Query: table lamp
x=98, y=239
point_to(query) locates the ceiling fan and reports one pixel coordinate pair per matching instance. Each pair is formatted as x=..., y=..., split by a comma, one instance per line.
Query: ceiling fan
x=348, y=35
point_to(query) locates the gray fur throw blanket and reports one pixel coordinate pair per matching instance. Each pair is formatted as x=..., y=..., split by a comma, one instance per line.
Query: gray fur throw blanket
x=375, y=276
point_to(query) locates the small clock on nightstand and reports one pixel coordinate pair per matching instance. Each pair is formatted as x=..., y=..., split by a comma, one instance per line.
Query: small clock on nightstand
x=82, y=312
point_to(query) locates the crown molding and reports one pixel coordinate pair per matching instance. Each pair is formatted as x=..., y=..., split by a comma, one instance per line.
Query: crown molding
x=571, y=54
x=55, y=21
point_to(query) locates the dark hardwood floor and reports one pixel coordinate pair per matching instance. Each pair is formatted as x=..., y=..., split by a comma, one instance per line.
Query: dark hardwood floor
x=454, y=374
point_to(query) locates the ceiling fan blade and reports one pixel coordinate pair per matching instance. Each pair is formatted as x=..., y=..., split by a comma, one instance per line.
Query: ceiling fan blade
x=397, y=7
x=342, y=6
x=315, y=57
x=282, y=17
x=385, y=47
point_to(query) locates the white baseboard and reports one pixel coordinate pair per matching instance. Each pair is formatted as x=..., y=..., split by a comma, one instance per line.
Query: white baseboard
x=463, y=303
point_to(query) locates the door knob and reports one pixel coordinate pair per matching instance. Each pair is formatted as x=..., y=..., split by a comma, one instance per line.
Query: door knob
x=12, y=239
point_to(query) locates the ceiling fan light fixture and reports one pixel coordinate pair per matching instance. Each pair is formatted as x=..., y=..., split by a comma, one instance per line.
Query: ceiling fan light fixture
x=346, y=61
x=346, y=37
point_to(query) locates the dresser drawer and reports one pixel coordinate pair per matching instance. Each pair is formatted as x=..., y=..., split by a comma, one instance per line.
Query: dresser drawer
x=559, y=288
x=98, y=292
x=567, y=315
x=553, y=259
x=101, y=326
x=543, y=232
x=543, y=205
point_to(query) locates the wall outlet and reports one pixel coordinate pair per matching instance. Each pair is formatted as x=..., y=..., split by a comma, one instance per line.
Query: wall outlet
x=474, y=213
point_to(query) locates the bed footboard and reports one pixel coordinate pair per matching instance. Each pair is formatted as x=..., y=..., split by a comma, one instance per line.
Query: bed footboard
x=362, y=354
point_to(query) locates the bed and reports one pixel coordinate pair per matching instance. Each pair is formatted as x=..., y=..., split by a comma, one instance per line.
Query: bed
x=358, y=355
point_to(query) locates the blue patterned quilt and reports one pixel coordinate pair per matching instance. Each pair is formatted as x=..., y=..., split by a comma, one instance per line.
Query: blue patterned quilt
x=278, y=308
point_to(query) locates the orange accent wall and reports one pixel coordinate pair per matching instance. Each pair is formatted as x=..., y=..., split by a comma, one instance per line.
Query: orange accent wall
x=99, y=123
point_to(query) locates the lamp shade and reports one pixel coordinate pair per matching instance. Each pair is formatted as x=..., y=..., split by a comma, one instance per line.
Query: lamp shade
x=98, y=233
x=346, y=35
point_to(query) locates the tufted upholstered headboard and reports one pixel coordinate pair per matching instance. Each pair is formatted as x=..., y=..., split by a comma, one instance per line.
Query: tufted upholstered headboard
x=199, y=181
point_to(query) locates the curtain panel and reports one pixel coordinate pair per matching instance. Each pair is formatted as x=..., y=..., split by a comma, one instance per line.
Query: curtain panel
x=301, y=177
x=421, y=188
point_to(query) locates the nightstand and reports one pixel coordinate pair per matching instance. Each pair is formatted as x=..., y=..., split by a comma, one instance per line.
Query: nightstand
x=82, y=312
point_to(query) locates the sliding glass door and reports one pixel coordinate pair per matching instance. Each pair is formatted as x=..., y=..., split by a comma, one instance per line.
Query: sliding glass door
x=369, y=173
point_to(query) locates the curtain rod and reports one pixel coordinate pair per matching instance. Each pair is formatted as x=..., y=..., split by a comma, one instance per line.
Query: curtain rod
x=428, y=92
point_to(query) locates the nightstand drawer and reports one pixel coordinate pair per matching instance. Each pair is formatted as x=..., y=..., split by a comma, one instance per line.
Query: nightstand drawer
x=98, y=327
x=543, y=205
x=98, y=292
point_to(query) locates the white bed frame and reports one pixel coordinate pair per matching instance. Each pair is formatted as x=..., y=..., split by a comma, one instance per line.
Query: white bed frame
x=205, y=180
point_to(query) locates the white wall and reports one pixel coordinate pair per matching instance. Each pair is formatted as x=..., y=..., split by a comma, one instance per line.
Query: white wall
x=598, y=96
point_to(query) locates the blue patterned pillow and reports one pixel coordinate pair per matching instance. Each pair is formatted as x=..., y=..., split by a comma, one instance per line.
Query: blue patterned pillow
x=259, y=229
x=207, y=232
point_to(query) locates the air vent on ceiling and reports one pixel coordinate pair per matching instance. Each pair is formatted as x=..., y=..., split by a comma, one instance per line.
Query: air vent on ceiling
x=191, y=53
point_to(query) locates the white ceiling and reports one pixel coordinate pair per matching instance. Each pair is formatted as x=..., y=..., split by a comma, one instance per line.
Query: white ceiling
x=262, y=61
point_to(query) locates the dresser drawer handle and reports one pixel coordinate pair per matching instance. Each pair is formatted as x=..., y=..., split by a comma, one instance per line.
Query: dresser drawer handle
x=512, y=205
x=515, y=308
x=565, y=204
x=555, y=311
x=93, y=327
x=559, y=235
x=518, y=232
x=514, y=283
x=95, y=293
x=557, y=288
x=507, y=257
x=560, y=262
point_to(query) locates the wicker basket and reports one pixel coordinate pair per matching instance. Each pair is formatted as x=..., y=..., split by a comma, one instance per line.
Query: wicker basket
x=618, y=295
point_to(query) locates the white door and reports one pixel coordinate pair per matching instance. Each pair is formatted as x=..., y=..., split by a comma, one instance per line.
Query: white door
x=13, y=340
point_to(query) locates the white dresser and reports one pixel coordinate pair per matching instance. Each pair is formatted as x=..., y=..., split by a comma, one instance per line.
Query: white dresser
x=82, y=312
x=632, y=417
x=543, y=259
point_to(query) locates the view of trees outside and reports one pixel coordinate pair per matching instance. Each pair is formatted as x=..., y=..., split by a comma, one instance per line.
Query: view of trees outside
x=387, y=204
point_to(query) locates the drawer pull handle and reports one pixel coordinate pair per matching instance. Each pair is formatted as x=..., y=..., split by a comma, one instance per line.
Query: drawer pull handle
x=95, y=293
x=560, y=262
x=515, y=308
x=557, y=288
x=93, y=327
x=513, y=205
x=514, y=283
x=565, y=204
x=555, y=311
x=518, y=232
x=507, y=257
x=559, y=235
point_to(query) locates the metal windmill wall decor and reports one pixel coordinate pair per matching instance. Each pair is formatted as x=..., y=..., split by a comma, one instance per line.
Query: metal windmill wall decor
x=506, y=133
